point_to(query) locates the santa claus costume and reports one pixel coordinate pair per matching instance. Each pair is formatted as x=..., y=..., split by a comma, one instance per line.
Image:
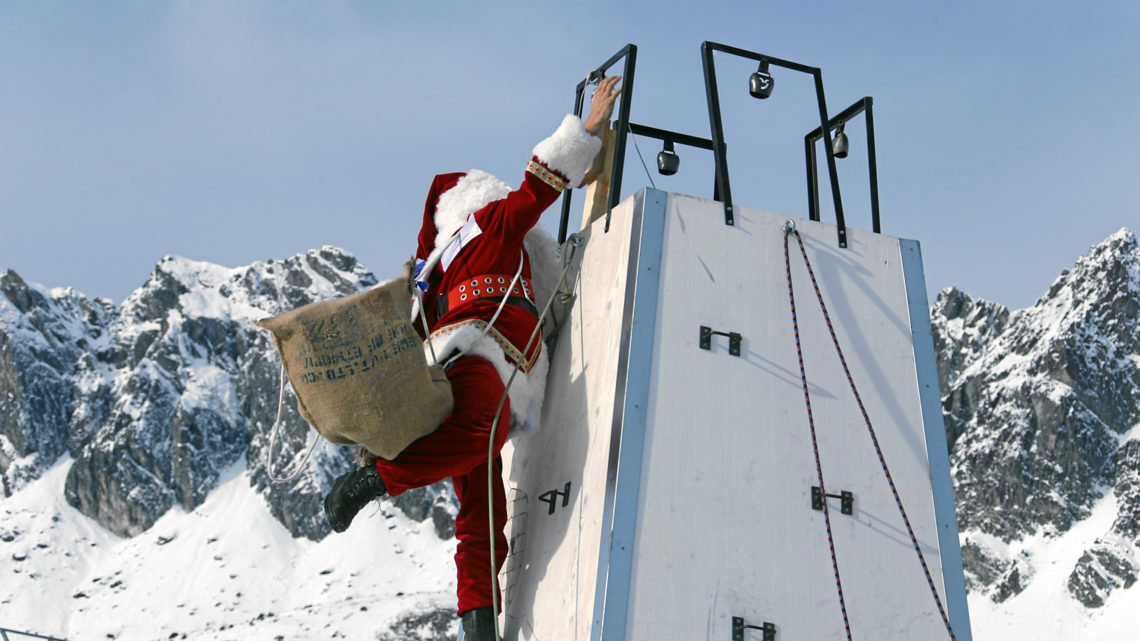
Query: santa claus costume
x=490, y=271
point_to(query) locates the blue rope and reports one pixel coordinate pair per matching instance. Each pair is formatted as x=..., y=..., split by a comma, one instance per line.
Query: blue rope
x=870, y=430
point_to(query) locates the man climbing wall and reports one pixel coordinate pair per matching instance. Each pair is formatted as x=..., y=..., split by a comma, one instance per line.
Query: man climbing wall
x=490, y=269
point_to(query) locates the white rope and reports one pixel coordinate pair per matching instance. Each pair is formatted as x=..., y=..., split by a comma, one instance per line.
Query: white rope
x=646, y=167
x=487, y=328
x=273, y=440
x=423, y=320
x=418, y=301
x=574, y=241
x=510, y=287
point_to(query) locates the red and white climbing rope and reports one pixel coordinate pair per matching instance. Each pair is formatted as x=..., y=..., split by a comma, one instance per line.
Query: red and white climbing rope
x=790, y=229
x=814, y=442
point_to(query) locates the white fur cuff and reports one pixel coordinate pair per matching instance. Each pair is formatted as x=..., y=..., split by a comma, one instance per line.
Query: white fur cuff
x=528, y=389
x=570, y=150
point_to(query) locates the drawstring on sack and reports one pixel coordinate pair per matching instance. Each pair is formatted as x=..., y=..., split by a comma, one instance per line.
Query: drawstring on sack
x=423, y=320
x=273, y=440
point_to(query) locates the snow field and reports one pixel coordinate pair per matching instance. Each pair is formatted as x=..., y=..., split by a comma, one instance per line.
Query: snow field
x=1046, y=610
x=227, y=570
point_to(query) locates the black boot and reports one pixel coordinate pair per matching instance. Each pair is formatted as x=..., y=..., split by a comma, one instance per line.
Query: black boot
x=479, y=625
x=350, y=494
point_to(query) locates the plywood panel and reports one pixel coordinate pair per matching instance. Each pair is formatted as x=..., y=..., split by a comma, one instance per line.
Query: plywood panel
x=668, y=489
x=725, y=527
x=551, y=574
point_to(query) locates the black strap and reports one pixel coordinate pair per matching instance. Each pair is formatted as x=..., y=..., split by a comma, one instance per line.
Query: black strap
x=517, y=301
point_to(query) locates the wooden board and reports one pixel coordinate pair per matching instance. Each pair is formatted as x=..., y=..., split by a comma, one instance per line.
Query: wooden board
x=553, y=567
x=598, y=180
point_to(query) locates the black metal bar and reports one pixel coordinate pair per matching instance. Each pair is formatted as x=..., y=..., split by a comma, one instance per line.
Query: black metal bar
x=760, y=57
x=864, y=106
x=630, y=53
x=721, y=190
x=872, y=167
x=564, y=219
x=846, y=500
x=628, y=49
x=832, y=173
x=739, y=626
x=722, y=187
x=812, y=179
x=705, y=339
x=665, y=134
x=858, y=107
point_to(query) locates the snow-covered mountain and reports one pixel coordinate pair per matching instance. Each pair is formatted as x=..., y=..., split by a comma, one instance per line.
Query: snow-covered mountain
x=1042, y=409
x=133, y=438
x=118, y=420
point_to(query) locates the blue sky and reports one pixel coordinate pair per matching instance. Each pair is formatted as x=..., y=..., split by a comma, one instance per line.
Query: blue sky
x=241, y=131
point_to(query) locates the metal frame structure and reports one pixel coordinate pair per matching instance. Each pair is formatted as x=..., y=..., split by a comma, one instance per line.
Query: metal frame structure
x=623, y=127
x=670, y=136
x=723, y=190
x=863, y=106
x=629, y=53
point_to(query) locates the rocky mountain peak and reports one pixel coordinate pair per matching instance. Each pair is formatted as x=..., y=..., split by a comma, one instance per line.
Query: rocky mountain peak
x=17, y=291
x=155, y=400
x=1101, y=289
x=1038, y=404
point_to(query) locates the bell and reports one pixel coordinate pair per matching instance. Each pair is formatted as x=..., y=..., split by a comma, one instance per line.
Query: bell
x=668, y=162
x=840, y=144
x=761, y=83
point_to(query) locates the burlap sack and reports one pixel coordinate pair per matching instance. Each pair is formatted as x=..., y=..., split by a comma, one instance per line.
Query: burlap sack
x=359, y=370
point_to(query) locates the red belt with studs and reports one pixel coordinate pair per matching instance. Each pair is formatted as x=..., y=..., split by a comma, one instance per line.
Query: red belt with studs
x=492, y=287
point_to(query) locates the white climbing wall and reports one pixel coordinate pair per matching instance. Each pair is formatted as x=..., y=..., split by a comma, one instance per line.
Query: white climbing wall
x=668, y=489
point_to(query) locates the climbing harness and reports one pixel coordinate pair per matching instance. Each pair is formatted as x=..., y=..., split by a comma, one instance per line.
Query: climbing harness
x=573, y=243
x=425, y=268
x=790, y=229
x=506, y=297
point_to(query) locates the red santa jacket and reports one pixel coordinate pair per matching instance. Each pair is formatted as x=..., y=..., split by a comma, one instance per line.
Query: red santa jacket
x=476, y=233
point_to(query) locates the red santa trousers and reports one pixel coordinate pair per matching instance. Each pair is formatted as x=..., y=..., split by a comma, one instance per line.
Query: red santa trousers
x=458, y=449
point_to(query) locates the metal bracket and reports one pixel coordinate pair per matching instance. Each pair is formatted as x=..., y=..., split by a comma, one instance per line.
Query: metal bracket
x=738, y=627
x=734, y=339
x=846, y=500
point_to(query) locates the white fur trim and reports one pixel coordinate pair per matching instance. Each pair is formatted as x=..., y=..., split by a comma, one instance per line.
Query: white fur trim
x=545, y=264
x=473, y=192
x=528, y=389
x=570, y=150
